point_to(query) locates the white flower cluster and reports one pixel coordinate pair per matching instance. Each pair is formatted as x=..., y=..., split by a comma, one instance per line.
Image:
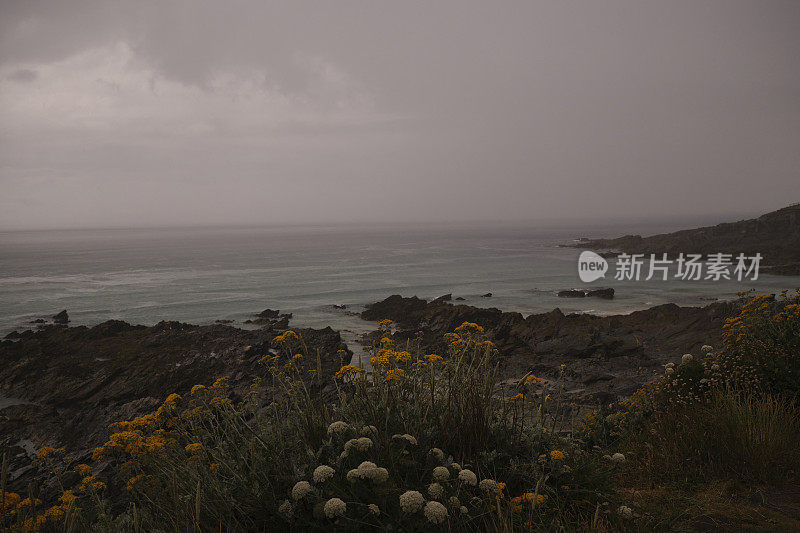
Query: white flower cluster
x=301, y=489
x=286, y=509
x=441, y=473
x=338, y=427
x=335, y=507
x=435, y=490
x=456, y=467
x=706, y=348
x=437, y=454
x=488, y=485
x=687, y=358
x=369, y=431
x=374, y=509
x=406, y=437
x=368, y=470
x=323, y=473
x=468, y=477
x=435, y=512
x=361, y=444
x=618, y=458
x=411, y=501
x=625, y=511
x=669, y=369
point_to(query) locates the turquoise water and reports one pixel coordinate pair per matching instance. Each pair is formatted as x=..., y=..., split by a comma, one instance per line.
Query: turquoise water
x=203, y=274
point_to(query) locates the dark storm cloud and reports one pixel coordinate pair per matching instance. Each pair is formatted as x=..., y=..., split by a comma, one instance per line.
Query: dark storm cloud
x=231, y=112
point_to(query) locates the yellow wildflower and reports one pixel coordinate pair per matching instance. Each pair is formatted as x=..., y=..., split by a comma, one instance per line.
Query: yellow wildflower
x=433, y=358
x=557, y=455
x=396, y=374
x=47, y=451
x=83, y=469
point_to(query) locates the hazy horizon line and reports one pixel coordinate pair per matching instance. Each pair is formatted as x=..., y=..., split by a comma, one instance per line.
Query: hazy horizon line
x=695, y=218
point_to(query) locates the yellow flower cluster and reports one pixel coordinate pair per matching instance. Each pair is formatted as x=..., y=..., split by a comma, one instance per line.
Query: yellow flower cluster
x=135, y=480
x=91, y=483
x=469, y=328
x=83, y=469
x=557, y=455
x=527, y=500
x=47, y=452
x=386, y=342
x=287, y=337
x=530, y=377
x=395, y=374
x=347, y=370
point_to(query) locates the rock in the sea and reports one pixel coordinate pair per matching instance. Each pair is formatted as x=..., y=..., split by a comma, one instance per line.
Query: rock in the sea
x=572, y=293
x=607, y=293
x=61, y=318
x=444, y=298
x=460, y=299
x=272, y=318
x=487, y=295
x=337, y=306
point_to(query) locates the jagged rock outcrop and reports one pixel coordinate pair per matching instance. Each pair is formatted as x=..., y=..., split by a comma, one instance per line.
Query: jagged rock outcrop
x=630, y=348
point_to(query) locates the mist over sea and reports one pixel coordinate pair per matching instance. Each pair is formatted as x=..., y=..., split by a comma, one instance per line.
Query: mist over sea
x=200, y=275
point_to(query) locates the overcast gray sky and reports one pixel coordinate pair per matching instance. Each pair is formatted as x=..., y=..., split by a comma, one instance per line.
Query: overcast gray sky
x=193, y=112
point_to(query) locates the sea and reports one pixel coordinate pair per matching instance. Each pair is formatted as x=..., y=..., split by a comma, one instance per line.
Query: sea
x=206, y=274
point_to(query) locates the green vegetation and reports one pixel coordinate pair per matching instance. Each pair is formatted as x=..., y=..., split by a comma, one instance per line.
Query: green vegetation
x=428, y=442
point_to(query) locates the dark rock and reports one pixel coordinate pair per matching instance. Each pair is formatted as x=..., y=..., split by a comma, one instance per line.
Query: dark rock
x=271, y=318
x=607, y=293
x=393, y=306
x=487, y=295
x=13, y=335
x=61, y=318
x=342, y=306
x=572, y=293
x=223, y=321
x=460, y=299
x=444, y=298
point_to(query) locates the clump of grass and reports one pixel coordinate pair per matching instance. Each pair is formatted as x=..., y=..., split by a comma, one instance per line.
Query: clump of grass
x=747, y=437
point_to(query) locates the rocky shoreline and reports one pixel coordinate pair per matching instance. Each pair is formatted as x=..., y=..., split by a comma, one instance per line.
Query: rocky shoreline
x=75, y=381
